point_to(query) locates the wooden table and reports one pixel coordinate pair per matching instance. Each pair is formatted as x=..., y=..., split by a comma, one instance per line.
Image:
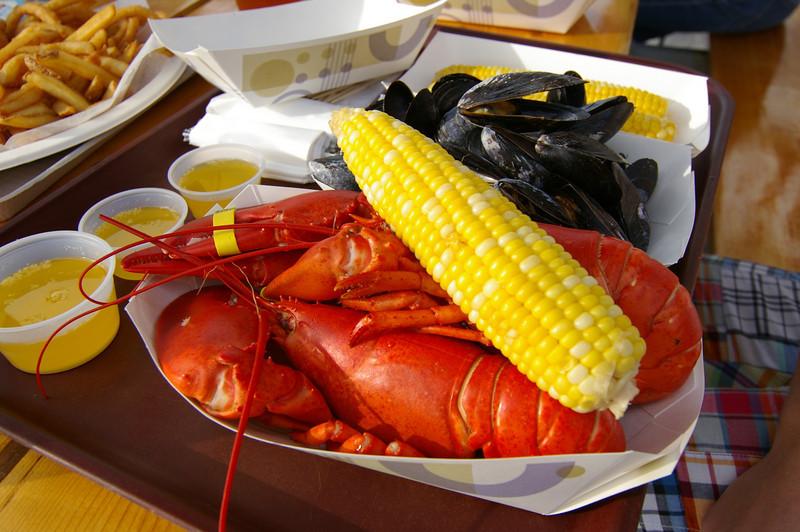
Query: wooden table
x=756, y=212
x=37, y=493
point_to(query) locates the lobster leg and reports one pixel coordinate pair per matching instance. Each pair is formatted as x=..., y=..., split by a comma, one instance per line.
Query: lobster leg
x=370, y=283
x=341, y=437
x=403, y=299
x=376, y=323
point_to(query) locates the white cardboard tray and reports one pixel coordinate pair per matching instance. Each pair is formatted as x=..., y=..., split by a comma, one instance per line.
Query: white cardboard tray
x=656, y=433
x=284, y=52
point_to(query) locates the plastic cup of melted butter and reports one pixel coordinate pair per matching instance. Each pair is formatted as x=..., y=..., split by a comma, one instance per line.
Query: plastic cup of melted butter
x=39, y=292
x=153, y=211
x=215, y=174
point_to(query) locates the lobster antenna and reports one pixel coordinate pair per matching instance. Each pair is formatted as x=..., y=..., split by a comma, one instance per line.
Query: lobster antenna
x=261, y=345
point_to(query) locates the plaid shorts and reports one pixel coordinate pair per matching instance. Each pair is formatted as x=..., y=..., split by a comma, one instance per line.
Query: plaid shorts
x=751, y=339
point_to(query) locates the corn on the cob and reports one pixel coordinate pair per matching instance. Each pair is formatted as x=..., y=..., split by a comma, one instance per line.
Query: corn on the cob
x=528, y=296
x=650, y=110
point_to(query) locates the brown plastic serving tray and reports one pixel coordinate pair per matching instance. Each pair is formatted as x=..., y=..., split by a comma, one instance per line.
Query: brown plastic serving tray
x=117, y=421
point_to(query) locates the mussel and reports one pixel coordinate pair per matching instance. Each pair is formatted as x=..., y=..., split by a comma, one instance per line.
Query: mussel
x=331, y=170
x=417, y=110
x=643, y=173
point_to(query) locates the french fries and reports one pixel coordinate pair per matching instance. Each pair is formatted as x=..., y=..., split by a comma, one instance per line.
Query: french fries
x=59, y=57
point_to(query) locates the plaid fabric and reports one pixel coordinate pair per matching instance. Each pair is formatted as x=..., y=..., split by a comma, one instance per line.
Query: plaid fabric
x=751, y=320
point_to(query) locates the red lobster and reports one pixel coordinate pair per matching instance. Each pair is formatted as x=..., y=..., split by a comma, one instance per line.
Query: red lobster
x=363, y=259
x=206, y=348
x=443, y=397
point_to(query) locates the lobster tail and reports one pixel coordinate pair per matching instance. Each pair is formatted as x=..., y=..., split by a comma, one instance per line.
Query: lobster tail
x=660, y=307
x=517, y=419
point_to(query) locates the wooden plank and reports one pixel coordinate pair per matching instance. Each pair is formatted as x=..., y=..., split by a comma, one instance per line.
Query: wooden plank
x=756, y=213
x=70, y=502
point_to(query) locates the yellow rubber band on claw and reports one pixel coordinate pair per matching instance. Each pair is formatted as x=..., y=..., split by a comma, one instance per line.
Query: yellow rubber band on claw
x=225, y=239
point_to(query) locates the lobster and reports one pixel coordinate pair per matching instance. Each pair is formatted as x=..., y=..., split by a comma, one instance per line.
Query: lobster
x=339, y=350
x=364, y=258
x=415, y=391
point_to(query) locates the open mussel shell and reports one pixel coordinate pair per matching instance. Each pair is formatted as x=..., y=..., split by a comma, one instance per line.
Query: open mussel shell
x=499, y=101
x=513, y=85
x=333, y=171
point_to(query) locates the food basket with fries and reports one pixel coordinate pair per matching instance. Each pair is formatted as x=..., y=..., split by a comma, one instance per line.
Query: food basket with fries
x=63, y=62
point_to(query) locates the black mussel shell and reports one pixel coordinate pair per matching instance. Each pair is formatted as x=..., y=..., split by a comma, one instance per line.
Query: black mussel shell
x=333, y=171
x=526, y=116
x=583, y=162
x=577, y=143
x=462, y=140
x=643, y=173
x=397, y=99
x=574, y=95
x=535, y=202
x=448, y=90
x=455, y=131
x=513, y=85
x=422, y=114
x=632, y=212
x=586, y=213
x=498, y=101
x=606, y=118
x=515, y=155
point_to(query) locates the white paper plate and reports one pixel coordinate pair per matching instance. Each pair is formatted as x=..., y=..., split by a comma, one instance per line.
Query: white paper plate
x=130, y=107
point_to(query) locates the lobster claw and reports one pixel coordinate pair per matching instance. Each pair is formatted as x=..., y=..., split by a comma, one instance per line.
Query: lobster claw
x=355, y=249
x=206, y=346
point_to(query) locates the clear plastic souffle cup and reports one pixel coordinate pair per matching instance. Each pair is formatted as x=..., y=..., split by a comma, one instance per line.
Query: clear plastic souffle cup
x=200, y=202
x=152, y=210
x=22, y=334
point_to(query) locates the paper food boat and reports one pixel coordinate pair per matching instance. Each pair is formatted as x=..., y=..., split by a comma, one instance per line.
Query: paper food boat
x=284, y=52
x=556, y=16
x=656, y=433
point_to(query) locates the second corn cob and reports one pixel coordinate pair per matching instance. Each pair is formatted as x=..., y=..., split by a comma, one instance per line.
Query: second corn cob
x=528, y=296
